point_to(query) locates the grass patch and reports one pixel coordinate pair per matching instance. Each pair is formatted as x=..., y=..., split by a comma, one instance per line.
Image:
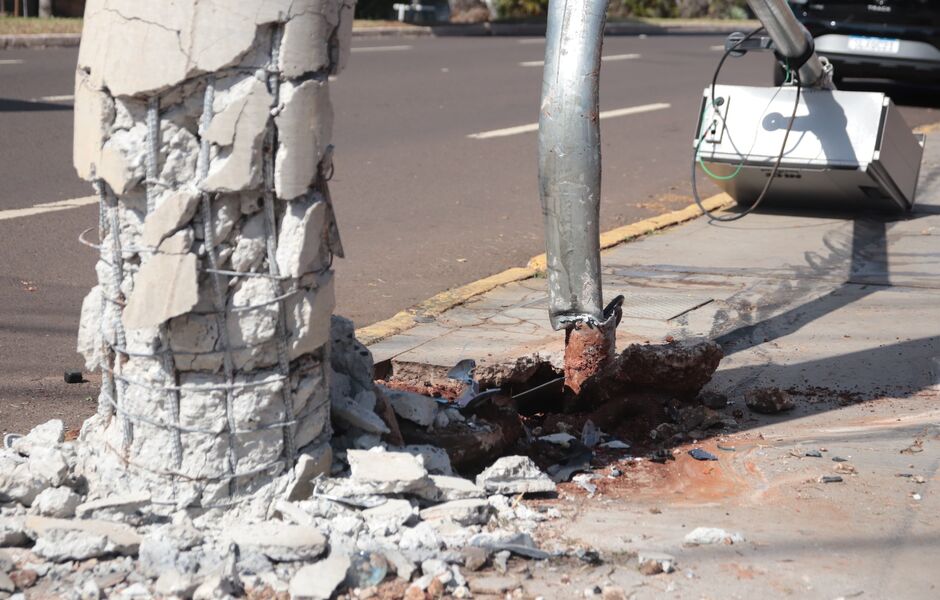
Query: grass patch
x=32, y=26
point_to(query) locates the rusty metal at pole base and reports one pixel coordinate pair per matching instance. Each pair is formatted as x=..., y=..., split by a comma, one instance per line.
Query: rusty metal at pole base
x=570, y=185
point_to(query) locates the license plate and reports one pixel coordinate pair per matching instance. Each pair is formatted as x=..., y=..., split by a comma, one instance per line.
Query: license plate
x=874, y=45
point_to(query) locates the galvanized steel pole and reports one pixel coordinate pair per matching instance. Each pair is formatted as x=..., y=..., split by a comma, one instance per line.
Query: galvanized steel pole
x=570, y=183
x=792, y=41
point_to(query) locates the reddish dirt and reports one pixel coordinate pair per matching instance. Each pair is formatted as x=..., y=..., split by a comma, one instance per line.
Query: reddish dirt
x=587, y=350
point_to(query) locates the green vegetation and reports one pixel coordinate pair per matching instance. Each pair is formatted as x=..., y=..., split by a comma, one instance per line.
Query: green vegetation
x=631, y=9
x=21, y=25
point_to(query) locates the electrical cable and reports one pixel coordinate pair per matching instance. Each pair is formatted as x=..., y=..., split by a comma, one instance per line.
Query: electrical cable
x=773, y=174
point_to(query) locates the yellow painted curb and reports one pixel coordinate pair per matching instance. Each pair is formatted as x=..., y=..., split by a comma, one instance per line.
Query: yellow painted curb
x=633, y=230
x=929, y=128
x=444, y=301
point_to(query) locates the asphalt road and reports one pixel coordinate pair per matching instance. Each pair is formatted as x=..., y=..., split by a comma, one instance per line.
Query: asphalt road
x=435, y=185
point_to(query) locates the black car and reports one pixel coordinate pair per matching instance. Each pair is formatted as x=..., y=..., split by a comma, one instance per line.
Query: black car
x=889, y=39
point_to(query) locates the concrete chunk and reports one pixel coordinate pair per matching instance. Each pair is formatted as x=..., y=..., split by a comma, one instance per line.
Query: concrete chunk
x=239, y=128
x=44, y=435
x=350, y=414
x=454, y=488
x=308, y=317
x=12, y=532
x=166, y=286
x=388, y=472
x=414, y=407
x=301, y=236
x=56, y=502
x=436, y=460
x=121, y=538
x=305, y=126
x=279, y=541
x=319, y=580
x=473, y=511
x=170, y=214
x=514, y=475
x=120, y=504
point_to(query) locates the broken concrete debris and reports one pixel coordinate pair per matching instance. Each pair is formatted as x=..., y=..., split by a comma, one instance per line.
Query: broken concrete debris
x=515, y=475
x=703, y=536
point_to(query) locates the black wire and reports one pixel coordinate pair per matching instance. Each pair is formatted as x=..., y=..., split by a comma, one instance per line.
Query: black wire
x=783, y=146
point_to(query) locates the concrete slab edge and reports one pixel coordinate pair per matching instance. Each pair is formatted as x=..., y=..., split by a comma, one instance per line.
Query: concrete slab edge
x=446, y=300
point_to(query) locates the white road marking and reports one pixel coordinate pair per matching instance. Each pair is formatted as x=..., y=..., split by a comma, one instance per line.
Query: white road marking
x=607, y=114
x=532, y=41
x=381, y=48
x=717, y=48
x=62, y=98
x=16, y=213
x=609, y=58
x=11, y=61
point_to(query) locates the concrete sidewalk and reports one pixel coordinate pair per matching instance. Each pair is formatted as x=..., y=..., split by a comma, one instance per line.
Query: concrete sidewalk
x=843, y=312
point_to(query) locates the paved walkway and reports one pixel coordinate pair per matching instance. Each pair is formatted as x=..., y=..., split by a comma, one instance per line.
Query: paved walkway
x=841, y=311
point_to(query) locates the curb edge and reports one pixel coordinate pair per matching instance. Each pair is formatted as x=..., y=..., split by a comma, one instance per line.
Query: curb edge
x=439, y=303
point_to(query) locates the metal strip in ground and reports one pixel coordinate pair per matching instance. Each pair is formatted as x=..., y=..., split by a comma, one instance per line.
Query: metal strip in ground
x=38, y=209
x=607, y=114
x=11, y=61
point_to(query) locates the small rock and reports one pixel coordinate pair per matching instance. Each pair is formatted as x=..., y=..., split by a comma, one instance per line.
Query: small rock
x=174, y=583
x=915, y=496
x=768, y=401
x=319, y=580
x=653, y=563
x=12, y=532
x=514, y=475
x=413, y=407
x=813, y=454
x=830, y=479
x=474, y=558
x=215, y=587
x=699, y=454
x=24, y=578
x=846, y=469
x=839, y=459
x=612, y=592
x=713, y=400
x=712, y=535
x=918, y=479
x=501, y=561
x=616, y=445
x=311, y=463
x=56, y=502
x=391, y=516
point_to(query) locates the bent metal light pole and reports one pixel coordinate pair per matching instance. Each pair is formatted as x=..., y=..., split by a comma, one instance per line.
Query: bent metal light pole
x=570, y=185
x=570, y=167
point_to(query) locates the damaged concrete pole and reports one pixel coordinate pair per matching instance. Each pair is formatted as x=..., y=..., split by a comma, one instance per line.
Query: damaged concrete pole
x=570, y=186
x=205, y=128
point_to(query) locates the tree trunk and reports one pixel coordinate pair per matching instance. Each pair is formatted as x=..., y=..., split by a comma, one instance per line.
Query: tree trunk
x=206, y=133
